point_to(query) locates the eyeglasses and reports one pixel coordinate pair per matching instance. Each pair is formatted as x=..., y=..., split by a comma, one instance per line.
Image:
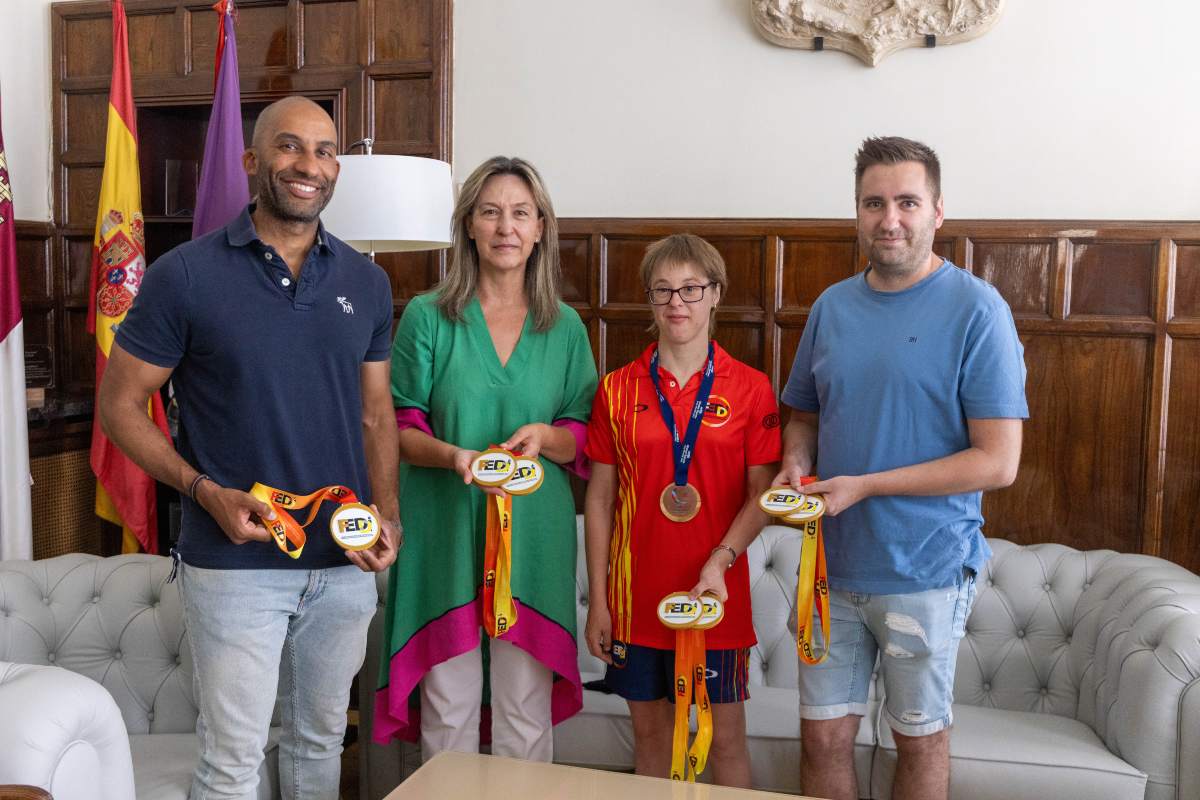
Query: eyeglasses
x=692, y=293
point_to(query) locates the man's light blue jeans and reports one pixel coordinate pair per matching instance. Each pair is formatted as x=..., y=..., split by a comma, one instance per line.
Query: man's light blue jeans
x=257, y=635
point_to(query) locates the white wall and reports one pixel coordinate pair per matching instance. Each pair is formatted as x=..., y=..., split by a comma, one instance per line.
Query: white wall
x=25, y=104
x=650, y=108
x=1066, y=109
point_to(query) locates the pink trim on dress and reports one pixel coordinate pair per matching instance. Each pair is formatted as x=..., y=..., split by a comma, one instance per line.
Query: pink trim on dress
x=458, y=631
x=413, y=418
x=582, y=465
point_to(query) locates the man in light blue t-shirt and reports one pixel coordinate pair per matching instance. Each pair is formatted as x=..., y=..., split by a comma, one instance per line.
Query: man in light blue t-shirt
x=908, y=391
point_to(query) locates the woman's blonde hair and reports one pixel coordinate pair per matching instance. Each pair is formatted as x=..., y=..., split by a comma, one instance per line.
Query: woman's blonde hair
x=543, y=271
x=686, y=248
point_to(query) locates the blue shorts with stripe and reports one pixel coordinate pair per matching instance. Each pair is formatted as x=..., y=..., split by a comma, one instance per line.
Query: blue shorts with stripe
x=649, y=674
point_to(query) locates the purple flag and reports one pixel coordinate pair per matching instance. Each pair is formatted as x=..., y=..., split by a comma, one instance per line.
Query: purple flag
x=223, y=191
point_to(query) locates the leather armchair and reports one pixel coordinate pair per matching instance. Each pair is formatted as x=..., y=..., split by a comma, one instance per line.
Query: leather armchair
x=107, y=641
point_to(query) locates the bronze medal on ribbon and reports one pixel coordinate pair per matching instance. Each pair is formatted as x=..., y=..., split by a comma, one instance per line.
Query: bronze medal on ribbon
x=679, y=503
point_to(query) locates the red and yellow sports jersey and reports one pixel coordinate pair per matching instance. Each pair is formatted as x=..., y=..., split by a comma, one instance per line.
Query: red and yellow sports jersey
x=651, y=556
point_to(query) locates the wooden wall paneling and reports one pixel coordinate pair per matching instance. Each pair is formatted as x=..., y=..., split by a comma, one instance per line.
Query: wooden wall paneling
x=154, y=38
x=1113, y=278
x=404, y=113
x=810, y=266
x=575, y=254
x=1180, y=539
x=1186, y=305
x=1157, y=401
x=772, y=289
x=1081, y=468
x=405, y=30
x=262, y=38
x=410, y=274
x=1021, y=270
x=329, y=33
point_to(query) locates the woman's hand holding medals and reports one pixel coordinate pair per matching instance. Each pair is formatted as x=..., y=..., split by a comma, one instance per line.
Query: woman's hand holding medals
x=502, y=473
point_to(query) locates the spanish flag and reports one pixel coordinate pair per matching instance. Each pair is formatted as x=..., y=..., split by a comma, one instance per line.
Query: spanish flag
x=124, y=493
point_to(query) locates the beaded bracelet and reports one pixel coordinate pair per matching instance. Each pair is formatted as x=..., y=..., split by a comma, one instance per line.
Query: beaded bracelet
x=196, y=482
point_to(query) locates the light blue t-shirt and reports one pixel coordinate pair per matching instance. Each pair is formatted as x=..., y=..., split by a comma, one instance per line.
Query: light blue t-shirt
x=894, y=376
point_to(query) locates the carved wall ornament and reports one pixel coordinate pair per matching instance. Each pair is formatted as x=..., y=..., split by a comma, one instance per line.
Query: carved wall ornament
x=873, y=29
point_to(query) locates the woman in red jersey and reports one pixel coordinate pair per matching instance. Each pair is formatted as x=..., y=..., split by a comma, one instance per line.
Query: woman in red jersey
x=682, y=441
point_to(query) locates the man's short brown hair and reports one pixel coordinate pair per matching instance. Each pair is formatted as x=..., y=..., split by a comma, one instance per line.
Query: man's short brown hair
x=896, y=150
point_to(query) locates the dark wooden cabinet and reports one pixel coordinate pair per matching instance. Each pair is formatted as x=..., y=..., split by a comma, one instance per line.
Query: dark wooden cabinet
x=380, y=67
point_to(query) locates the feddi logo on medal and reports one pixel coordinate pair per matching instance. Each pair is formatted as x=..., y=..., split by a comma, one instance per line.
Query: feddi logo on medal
x=493, y=467
x=354, y=527
x=527, y=476
x=812, y=508
x=677, y=610
x=779, y=501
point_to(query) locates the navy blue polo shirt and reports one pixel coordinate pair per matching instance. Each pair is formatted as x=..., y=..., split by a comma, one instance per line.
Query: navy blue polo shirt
x=266, y=374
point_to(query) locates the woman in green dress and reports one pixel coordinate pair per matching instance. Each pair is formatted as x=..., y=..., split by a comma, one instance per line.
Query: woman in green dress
x=491, y=356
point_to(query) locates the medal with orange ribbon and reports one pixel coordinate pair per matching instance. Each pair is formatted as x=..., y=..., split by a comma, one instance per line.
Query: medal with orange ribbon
x=689, y=619
x=512, y=474
x=812, y=583
x=353, y=526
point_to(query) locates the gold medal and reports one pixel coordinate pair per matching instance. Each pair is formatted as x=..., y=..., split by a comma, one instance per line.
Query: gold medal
x=679, y=611
x=354, y=527
x=493, y=467
x=813, y=507
x=527, y=476
x=712, y=611
x=679, y=503
x=779, y=501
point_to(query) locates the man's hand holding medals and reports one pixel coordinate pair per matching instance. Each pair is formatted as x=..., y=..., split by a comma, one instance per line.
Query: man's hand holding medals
x=804, y=511
x=369, y=541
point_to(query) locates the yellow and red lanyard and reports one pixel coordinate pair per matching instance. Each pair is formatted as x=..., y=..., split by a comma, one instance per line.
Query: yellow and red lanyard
x=689, y=619
x=289, y=535
x=812, y=584
x=499, y=610
x=812, y=581
x=509, y=473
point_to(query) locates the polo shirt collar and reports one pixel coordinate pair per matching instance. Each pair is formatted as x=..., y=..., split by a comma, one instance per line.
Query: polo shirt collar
x=240, y=232
x=721, y=360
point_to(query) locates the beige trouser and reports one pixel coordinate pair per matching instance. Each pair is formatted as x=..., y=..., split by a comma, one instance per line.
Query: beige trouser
x=451, y=694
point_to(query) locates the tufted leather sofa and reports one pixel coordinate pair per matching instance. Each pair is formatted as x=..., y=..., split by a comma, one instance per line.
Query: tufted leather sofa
x=92, y=624
x=1079, y=677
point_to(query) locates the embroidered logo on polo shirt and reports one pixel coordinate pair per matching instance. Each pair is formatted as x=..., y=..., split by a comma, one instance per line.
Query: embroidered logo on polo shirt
x=346, y=305
x=717, y=412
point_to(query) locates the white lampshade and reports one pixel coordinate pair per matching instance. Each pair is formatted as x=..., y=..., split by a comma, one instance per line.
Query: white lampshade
x=386, y=204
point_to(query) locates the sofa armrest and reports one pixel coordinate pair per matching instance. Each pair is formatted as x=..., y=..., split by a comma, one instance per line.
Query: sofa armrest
x=64, y=733
x=1136, y=653
x=12, y=792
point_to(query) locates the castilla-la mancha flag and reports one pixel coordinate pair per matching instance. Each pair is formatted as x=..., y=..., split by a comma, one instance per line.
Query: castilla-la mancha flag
x=16, y=538
x=124, y=493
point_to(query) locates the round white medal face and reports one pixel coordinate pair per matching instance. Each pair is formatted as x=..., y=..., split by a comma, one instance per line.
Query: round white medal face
x=812, y=508
x=354, y=527
x=526, y=478
x=493, y=467
x=712, y=611
x=779, y=501
x=677, y=610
